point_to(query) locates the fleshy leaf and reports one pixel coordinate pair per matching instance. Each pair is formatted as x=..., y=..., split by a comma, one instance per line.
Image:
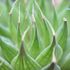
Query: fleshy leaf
x=8, y=48
x=23, y=61
x=65, y=63
x=52, y=66
x=8, y=5
x=63, y=35
x=18, y=29
x=58, y=52
x=35, y=48
x=12, y=29
x=42, y=28
x=55, y=20
x=5, y=65
x=45, y=56
x=4, y=31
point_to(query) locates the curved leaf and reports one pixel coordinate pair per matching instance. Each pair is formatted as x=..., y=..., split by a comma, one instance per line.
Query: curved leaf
x=45, y=56
x=63, y=35
x=8, y=49
x=24, y=62
x=5, y=65
x=4, y=31
x=58, y=52
x=35, y=48
x=65, y=63
x=52, y=66
x=55, y=19
x=43, y=30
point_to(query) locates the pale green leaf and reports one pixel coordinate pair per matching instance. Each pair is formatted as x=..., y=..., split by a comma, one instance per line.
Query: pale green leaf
x=52, y=66
x=58, y=52
x=45, y=56
x=63, y=35
x=9, y=50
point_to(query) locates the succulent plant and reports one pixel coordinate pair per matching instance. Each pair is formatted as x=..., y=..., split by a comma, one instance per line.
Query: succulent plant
x=34, y=35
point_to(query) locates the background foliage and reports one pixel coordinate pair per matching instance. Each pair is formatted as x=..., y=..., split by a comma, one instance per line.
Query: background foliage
x=33, y=33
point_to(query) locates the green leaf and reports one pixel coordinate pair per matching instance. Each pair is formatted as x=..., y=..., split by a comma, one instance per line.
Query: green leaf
x=9, y=50
x=8, y=5
x=23, y=61
x=29, y=36
x=5, y=65
x=22, y=6
x=45, y=56
x=18, y=29
x=58, y=52
x=52, y=66
x=3, y=14
x=67, y=15
x=65, y=63
x=4, y=31
x=43, y=31
x=12, y=29
x=63, y=35
x=55, y=20
x=18, y=35
x=42, y=6
x=35, y=49
x=30, y=6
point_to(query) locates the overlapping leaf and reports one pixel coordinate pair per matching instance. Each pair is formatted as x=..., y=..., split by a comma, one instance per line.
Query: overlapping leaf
x=24, y=62
x=45, y=56
x=8, y=49
x=63, y=35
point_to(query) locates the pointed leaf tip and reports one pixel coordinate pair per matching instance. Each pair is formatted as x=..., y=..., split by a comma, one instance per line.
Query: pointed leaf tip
x=22, y=49
x=54, y=40
x=65, y=22
x=52, y=66
x=64, y=19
